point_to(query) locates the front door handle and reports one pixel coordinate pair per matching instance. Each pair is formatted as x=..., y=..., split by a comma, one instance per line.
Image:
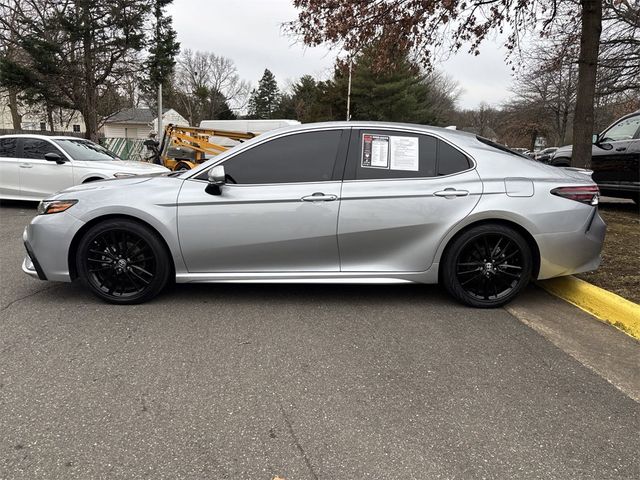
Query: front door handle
x=319, y=197
x=451, y=193
x=26, y=165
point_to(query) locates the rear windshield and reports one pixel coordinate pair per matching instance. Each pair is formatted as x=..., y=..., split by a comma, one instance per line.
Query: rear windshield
x=86, y=150
x=501, y=147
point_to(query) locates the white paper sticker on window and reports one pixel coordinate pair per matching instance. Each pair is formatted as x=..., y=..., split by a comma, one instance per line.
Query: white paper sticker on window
x=404, y=153
x=375, y=151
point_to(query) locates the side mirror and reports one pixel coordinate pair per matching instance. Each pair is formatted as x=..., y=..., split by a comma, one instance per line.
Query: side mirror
x=594, y=138
x=216, y=179
x=54, y=157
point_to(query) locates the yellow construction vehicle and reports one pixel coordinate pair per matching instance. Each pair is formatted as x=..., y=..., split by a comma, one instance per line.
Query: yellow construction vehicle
x=182, y=148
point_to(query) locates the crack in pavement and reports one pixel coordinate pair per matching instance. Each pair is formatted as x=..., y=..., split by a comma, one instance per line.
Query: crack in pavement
x=297, y=443
x=27, y=296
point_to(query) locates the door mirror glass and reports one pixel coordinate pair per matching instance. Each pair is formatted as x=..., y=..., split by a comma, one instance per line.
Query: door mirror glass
x=53, y=157
x=594, y=138
x=216, y=179
x=217, y=176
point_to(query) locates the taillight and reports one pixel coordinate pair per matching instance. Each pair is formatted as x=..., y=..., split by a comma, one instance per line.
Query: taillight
x=588, y=194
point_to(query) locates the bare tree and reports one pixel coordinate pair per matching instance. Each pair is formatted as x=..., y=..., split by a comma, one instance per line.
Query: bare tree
x=208, y=85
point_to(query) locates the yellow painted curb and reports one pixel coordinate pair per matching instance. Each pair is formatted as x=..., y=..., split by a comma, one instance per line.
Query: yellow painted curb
x=606, y=306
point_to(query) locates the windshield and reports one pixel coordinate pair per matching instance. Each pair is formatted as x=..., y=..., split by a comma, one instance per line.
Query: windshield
x=86, y=150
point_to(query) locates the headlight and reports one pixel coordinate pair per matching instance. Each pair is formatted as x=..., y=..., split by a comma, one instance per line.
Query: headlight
x=47, y=207
x=122, y=175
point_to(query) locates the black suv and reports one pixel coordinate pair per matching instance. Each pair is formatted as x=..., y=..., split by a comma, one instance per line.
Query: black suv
x=616, y=158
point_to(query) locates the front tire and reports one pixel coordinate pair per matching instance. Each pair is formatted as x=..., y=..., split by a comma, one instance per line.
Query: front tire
x=487, y=266
x=122, y=261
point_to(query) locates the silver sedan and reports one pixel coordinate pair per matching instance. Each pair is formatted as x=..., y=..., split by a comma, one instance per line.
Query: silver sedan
x=356, y=202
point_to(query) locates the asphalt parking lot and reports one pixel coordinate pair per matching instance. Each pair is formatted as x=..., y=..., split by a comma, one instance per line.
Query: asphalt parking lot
x=301, y=382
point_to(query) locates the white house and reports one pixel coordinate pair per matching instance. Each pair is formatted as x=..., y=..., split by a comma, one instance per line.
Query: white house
x=138, y=122
x=35, y=117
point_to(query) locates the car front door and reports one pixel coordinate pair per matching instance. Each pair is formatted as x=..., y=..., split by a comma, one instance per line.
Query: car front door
x=40, y=178
x=277, y=213
x=401, y=193
x=614, y=162
x=9, y=168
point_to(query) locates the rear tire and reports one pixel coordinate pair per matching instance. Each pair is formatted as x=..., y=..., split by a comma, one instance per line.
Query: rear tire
x=487, y=266
x=122, y=261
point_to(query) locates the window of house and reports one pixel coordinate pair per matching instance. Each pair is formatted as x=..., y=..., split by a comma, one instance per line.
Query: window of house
x=76, y=128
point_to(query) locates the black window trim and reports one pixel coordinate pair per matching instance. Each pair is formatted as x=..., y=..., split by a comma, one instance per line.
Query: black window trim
x=417, y=131
x=338, y=167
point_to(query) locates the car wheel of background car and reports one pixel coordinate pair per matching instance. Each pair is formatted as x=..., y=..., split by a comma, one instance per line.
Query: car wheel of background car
x=181, y=167
x=123, y=261
x=487, y=266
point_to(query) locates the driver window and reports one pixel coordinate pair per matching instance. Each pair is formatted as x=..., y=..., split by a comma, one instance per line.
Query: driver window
x=301, y=157
x=623, y=130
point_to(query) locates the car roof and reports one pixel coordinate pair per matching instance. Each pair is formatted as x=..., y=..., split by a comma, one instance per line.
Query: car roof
x=453, y=135
x=42, y=137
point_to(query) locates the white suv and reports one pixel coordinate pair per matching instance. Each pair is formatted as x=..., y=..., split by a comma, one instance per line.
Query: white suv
x=32, y=167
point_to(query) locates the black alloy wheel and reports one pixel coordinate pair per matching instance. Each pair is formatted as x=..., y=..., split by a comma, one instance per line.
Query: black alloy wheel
x=487, y=266
x=122, y=261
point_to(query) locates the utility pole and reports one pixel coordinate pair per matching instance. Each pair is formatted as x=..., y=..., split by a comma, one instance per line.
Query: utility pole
x=349, y=92
x=159, y=132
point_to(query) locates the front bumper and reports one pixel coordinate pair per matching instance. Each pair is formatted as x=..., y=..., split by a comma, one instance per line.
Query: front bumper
x=47, y=240
x=30, y=264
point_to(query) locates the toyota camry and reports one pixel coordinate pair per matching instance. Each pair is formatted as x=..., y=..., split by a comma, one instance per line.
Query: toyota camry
x=356, y=202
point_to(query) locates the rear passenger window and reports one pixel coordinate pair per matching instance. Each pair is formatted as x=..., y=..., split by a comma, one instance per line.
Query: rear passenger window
x=382, y=154
x=451, y=160
x=8, y=147
x=36, y=148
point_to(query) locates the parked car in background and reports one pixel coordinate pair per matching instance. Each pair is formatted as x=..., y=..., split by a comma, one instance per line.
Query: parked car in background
x=545, y=155
x=33, y=167
x=615, y=158
x=342, y=202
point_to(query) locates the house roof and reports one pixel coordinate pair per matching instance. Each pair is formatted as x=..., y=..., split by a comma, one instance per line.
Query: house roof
x=134, y=115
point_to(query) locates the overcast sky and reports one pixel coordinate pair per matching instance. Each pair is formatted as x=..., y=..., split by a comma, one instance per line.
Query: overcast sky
x=249, y=32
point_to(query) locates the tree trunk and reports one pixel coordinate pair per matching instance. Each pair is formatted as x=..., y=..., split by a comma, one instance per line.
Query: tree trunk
x=16, y=118
x=49, y=109
x=587, y=69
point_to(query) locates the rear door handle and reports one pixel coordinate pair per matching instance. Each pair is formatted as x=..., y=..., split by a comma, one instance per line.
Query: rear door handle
x=319, y=197
x=26, y=165
x=451, y=192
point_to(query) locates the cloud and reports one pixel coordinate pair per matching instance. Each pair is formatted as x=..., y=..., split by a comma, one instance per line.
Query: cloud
x=250, y=33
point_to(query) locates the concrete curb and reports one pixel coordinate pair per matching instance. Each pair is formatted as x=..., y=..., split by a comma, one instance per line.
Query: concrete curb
x=604, y=305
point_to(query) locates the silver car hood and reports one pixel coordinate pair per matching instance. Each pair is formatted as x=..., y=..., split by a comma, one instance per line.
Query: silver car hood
x=129, y=166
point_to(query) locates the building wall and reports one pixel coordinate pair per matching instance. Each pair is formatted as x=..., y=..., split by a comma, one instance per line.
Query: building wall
x=126, y=130
x=36, y=118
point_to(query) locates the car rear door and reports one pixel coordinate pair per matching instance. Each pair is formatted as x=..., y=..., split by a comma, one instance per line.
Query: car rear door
x=401, y=194
x=277, y=213
x=9, y=168
x=39, y=177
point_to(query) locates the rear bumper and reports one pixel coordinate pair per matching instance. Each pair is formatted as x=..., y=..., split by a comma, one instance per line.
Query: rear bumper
x=567, y=253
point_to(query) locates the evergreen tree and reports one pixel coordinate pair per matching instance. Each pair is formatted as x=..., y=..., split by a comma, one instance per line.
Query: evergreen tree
x=163, y=48
x=264, y=100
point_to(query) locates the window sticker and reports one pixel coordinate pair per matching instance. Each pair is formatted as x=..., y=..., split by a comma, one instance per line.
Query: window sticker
x=375, y=151
x=404, y=154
